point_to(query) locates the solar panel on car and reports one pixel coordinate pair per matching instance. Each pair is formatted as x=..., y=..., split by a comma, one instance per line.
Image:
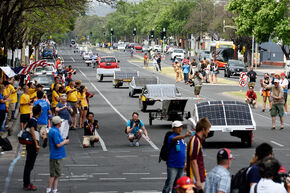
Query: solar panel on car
x=119, y=75
x=230, y=113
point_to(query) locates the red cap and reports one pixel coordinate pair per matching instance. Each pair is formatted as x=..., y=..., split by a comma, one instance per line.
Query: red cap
x=283, y=74
x=224, y=154
x=184, y=182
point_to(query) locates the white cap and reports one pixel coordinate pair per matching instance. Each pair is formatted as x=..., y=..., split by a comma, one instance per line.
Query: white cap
x=56, y=120
x=176, y=124
x=276, y=81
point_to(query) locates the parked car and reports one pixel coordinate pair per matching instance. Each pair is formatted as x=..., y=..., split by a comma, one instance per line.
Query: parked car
x=287, y=69
x=157, y=48
x=106, y=66
x=87, y=55
x=45, y=80
x=234, y=68
x=121, y=46
x=145, y=48
x=49, y=70
x=178, y=53
x=47, y=53
x=138, y=47
x=170, y=49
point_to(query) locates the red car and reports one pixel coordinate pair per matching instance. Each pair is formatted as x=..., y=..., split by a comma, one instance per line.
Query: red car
x=138, y=47
x=106, y=66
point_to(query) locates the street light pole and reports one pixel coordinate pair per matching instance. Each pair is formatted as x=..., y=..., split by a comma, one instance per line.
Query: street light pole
x=253, y=47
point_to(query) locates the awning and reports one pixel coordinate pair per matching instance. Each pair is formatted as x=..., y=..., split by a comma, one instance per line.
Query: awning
x=8, y=71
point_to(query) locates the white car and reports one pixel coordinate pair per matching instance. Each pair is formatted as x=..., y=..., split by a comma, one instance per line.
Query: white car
x=44, y=70
x=287, y=68
x=157, y=48
x=87, y=55
x=121, y=46
x=178, y=53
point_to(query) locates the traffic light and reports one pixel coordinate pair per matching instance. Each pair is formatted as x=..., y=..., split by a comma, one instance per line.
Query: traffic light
x=152, y=34
x=163, y=34
x=91, y=33
x=134, y=32
x=112, y=31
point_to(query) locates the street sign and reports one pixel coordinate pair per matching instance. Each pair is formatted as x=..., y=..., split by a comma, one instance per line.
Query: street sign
x=243, y=79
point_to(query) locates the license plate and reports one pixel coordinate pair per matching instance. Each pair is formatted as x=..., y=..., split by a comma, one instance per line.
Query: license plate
x=227, y=130
x=108, y=64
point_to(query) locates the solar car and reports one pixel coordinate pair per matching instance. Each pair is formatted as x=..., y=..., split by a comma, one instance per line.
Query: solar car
x=107, y=65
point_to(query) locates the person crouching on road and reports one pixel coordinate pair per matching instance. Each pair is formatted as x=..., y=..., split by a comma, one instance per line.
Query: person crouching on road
x=176, y=157
x=219, y=178
x=32, y=150
x=184, y=185
x=57, y=153
x=251, y=97
x=135, y=129
x=90, y=126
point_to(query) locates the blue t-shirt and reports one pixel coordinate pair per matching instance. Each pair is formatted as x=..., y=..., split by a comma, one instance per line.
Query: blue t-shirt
x=64, y=114
x=176, y=158
x=185, y=68
x=2, y=105
x=136, y=128
x=253, y=175
x=55, y=138
x=43, y=119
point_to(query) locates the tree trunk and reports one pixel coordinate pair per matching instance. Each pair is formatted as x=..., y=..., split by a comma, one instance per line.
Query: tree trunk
x=287, y=54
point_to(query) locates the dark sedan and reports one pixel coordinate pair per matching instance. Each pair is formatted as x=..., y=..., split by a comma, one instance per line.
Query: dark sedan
x=234, y=68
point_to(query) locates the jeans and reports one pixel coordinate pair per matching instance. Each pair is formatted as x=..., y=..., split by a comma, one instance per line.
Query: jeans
x=185, y=77
x=4, y=121
x=30, y=160
x=173, y=174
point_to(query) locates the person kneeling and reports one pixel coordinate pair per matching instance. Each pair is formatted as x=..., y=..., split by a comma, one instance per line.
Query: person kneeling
x=251, y=97
x=90, y=127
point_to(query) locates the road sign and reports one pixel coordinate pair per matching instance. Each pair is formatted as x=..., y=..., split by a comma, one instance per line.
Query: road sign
x=243, y=79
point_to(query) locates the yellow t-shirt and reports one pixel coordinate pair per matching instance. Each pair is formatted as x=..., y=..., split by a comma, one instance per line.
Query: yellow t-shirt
x=24, y=109
x=33, y=95
x=52, y=85
x=72, y=97
x=54, y=101
x=82, y=98
x=14, y=95
x=31, y=91
x=5, y=93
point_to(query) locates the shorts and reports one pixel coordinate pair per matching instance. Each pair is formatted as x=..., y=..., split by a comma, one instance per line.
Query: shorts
x=197, y=90
x=41, y=129
x=55, y=166
x=88, y=139
x=24, y=118
x=12, y=106
x=251, y=84
x=85, y=108
x=266, y=93
x=285, y=97
x=74, y=107
x=277, y=109
x=135, y=135
x=250, y=101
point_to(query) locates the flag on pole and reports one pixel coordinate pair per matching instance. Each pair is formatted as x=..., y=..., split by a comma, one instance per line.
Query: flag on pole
x=29, y=68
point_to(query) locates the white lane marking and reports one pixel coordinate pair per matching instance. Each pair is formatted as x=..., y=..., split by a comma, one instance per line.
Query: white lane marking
x=136, y=173
x=81, y=165
x=105, y=192
x=103, y=145
x=116, y=110
x=33, y=180
x=44, y=174
x=10, y=171
x=154, y=178
x=164, y=173
x=276, y=143
x=124, y=156
x=73, y=59
x=144, y=191
x=100, y=174
x=74, y=179
x=154, y=155
x=112, y=179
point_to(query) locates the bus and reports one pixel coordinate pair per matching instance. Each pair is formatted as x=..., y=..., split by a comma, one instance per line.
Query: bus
x=222, y=52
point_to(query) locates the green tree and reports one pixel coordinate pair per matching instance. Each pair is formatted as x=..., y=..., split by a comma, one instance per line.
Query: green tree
x=266, y=19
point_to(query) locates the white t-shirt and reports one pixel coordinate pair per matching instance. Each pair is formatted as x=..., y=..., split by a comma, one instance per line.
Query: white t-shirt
x=284, y=83
x=268, y=186
x=190, y=124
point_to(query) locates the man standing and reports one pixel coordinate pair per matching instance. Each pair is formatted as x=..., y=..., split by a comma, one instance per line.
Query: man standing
x=90, y=127
x=284, y=84
x=219, y=179
x=278, y=104
x=176, y=157
x=57, y=153
x=43, y=119
x=252, y=76
x=135, y=129
x=145, y=60
x=159, y=61
x=72, y=98
x=195, y=164
x=251, y=97
x=24, y=108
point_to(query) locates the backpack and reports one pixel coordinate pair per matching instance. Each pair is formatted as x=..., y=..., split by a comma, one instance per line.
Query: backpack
x=164, y=152
x=131, y=125
x=239, y=182
x=5, y=144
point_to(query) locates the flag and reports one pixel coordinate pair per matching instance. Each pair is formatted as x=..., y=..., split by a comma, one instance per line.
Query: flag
x=29, y=68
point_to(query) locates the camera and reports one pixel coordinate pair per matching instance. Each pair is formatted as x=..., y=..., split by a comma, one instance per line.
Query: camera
x=137, y=122
x=282, y=178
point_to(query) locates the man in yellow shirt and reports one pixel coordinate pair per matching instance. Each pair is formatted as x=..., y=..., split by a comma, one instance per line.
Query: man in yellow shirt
x=72, y=99
x=13, y=98
x=6, y=95
x=24, y=108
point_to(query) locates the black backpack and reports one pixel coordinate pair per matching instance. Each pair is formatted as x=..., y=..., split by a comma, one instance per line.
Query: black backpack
x=5, y=144
x=164, y=152
x=239, y=183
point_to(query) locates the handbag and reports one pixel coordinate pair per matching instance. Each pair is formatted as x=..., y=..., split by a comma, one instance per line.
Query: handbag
x=5, y=144
x=25, y=137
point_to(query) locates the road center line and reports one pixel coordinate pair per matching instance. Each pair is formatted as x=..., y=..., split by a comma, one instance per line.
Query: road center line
x=116, y=110
x=136, y=173
x=125, y=156
x=276, y=143
x=154, y=178
x=112, y=179
x=73, y=59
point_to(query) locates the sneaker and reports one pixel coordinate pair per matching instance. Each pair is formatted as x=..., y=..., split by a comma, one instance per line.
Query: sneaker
x=263, y=110
x=92, y=143
x=281, y=128
x=44, y=144
x=285, y=114
x=131, y=144
x=29, y=187
x=273, y=128
x=137, y=144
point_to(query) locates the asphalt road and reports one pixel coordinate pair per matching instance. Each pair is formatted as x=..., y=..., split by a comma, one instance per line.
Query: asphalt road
x=113, y=166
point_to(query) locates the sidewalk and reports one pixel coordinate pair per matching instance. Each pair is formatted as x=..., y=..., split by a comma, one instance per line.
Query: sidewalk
x=14, y=128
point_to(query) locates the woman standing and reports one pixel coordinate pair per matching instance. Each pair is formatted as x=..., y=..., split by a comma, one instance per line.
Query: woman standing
x=155, y=64
x=178, y=70
x=3, y=101
x=215, y=72
x=55, y=97
x=197, y=79
x=266, y=91
x=83, y=105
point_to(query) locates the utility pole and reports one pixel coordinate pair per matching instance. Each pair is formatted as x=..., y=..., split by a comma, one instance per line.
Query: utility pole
x=112, y=33
x=253, y=48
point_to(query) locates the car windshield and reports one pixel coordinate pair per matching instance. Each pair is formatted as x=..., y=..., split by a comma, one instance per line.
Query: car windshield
x=47, y=80
x=47, y=68
x=236, y=63
x=225, y=54
x=108, y=60
x=178, y=51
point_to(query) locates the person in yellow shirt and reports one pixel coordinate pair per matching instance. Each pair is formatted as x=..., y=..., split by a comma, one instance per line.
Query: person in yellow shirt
x=72, y=99
x=56, y=81
x=13, y=98
x=83, y=105
x=25, y=110
x=55, y=97
x=31, y=89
